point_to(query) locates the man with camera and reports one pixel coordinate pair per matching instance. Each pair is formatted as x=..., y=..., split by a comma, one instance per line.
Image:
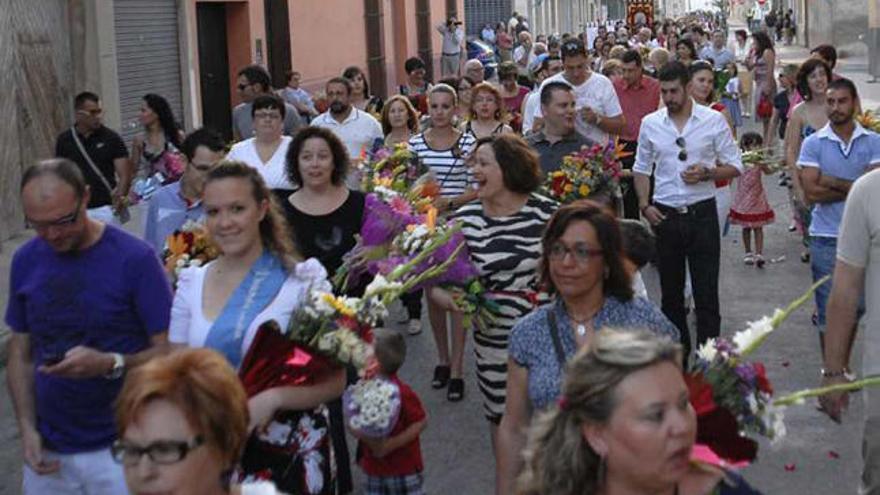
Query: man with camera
x=453, y=36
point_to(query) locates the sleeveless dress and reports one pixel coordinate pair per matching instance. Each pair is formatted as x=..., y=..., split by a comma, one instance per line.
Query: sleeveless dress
x=750, y=208
x=506, y=251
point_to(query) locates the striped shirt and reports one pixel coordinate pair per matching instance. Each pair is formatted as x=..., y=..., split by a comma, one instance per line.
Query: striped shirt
x=448, y=165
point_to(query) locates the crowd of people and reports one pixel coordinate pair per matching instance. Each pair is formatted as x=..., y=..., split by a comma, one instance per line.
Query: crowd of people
x=122, y=384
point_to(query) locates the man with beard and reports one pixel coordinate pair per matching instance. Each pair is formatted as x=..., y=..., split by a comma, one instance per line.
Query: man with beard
x=357, y=129
x=688, y=146
x=87, y=302
x=832, y=159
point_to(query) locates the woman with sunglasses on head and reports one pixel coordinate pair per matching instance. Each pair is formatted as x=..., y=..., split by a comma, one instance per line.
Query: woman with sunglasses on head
x=182, y=414
x=582, y=266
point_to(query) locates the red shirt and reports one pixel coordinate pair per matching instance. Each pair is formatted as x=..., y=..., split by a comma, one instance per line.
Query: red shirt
x=637, y=101
x=407, y=459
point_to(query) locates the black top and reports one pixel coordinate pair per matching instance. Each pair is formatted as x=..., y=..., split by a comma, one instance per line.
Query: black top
x=103, y=146
x=327, y=237
x=551, y=154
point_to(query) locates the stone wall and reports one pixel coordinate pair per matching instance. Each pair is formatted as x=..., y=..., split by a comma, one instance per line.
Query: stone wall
x=836, y=22
x=36, y=95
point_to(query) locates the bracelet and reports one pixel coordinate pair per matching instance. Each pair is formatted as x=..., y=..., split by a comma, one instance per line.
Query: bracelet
x=834, y=374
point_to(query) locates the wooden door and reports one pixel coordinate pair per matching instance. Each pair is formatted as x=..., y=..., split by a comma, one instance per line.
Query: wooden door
x=423, y=33
x=278, y=41
x=214, y=68
x=375, y=47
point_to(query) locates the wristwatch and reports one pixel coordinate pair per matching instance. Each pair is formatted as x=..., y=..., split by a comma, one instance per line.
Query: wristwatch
x=118, y=368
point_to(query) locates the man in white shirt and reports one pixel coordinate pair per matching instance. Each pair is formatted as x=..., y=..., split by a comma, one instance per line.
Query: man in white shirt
x=599, y=112
x=357, y=129
x=453, y=35
x=689, y=146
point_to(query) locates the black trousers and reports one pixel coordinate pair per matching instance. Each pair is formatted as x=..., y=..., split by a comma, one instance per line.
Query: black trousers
x=690, y=236
x=630, y=199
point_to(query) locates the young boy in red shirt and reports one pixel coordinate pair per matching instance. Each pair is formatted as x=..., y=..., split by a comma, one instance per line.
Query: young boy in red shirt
x=393, y=465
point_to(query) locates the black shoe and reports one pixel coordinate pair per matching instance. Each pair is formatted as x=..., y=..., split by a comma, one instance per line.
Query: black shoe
x=441, y=377
x=456, y=390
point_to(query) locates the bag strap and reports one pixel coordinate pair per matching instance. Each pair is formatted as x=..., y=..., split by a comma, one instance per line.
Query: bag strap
x=554, y=333
x=88, y=158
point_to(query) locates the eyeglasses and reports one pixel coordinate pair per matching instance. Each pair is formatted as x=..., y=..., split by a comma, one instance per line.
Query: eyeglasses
x=682, y=154
x=161, y=452
x=579, y=251
x=267, y=115
x=62, y=222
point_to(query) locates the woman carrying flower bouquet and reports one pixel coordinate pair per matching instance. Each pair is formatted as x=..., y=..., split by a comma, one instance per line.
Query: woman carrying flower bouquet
x=221, y=305
x=503, y=235
x=623, y=424
x=582, y=264
x=155, y=150
x=443, y=149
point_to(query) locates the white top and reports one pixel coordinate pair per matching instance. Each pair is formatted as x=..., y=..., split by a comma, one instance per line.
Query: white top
x=597, y=92
x=858, y=245
x=708, y=141
x=189, y=325
x=533, y=103
x=638, y=284
x=520, y=52
x=273, y=171
x=358, y=131
x=259, y=488
x=733, y=87
x=451, y=39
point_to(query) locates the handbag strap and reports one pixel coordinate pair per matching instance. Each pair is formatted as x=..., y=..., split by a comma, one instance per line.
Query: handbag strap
x=554, y=334
x=88, y=158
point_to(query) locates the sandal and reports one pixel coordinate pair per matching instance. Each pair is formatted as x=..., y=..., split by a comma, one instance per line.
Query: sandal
x=441, y=376
x=456, y=390
x=749, y=259
x=759, y=261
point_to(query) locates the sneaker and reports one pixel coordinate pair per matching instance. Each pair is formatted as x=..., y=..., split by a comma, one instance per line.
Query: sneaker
x=414, y=327
x=749, y=259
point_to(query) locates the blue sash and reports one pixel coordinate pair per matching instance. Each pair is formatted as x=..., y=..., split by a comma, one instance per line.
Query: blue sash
x=255, y=292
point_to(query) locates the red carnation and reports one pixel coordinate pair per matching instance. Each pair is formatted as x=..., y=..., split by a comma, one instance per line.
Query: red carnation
x=761, y=379
x=701, y=394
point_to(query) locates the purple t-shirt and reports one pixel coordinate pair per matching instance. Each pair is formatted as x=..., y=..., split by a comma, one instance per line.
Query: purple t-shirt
x=112, y=297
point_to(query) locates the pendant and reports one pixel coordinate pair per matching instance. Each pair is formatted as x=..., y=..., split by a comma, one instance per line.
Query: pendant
x=581, y=330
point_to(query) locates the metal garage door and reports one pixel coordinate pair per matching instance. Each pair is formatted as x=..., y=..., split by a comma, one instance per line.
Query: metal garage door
x=147, y=57
x=480, y=12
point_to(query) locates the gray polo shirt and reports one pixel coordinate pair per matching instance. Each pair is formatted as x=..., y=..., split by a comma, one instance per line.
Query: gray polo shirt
x=551, y=154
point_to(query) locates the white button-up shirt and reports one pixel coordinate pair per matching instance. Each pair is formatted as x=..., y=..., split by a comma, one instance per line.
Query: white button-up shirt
x=708, y=141
x=357, y=132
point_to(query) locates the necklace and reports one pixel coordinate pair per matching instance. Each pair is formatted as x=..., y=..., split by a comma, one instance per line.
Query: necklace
x=581, y=325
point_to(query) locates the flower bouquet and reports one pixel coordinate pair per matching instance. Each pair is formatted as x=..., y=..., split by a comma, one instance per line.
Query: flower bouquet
x=395, y=174
x=760, y=158
x=585, y=172
x=190, y=245
x=733, y=398
x=371, y=407
x=478, y=310
x=869, y=120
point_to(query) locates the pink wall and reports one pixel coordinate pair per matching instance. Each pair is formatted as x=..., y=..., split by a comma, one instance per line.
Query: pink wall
x=326, y=36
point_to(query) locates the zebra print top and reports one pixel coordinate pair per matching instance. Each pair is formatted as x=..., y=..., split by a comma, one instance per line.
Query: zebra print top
x=506, y=251
x=448, y=165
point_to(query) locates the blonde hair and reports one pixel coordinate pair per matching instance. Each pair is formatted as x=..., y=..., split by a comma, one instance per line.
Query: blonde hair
x=617, y=52
x=659, y=57
x=443, y=88
x=558, y=459
x=203, y=385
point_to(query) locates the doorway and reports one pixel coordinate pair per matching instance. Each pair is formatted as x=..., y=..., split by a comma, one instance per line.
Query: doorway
x=214, y=68
x=278, y=41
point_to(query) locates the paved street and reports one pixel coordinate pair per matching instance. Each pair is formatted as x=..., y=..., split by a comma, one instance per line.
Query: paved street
x=817, y=456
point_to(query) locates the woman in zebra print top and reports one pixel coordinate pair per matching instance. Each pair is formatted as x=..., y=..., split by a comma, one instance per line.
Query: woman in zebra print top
x=503, y=234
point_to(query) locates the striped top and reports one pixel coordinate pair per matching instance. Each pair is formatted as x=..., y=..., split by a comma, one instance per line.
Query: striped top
x=448, y=165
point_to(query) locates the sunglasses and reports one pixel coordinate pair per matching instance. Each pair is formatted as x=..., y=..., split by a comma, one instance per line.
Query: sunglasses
x=682, y=153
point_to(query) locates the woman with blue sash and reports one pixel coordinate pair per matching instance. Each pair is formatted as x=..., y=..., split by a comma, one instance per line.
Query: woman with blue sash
x=221, y=305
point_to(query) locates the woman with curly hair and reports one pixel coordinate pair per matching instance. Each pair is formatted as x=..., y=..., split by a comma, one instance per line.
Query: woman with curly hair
x=487, y=112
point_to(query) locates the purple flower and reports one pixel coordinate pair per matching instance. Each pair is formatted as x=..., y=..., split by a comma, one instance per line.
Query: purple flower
x=746, y=372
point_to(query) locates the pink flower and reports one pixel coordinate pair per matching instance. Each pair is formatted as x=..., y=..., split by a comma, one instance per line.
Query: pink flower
x=400, y=205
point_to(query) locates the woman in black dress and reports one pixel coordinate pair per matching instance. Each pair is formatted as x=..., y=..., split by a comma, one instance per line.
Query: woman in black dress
x=325, y=216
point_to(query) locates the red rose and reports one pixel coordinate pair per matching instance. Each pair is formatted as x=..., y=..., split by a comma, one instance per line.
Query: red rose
x=761, y=378
x=701, y=394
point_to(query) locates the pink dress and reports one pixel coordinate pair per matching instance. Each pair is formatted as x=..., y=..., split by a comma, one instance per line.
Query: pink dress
x=750, y=207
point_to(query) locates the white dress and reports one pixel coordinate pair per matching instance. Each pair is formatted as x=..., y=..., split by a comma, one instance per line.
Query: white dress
x=190, y=327
x=274, y=171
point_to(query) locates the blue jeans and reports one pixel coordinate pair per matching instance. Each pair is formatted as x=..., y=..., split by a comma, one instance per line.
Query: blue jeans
x=823, y=257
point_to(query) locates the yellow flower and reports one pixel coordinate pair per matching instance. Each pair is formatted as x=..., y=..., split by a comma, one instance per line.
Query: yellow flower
x=584, y=190
x=383, y=181
x=338, y=305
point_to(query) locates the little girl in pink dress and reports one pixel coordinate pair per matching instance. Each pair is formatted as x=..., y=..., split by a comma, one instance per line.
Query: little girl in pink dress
x=750, y=208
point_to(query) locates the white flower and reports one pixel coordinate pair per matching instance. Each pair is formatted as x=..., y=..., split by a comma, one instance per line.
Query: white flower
x=707, y=351
x=776, y=418
x=756, y=331
x=381, y=284
x=319, y=302
x=328, y=342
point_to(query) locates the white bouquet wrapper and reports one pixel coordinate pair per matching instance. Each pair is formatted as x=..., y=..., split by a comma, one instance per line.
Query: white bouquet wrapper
x=371, y=407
